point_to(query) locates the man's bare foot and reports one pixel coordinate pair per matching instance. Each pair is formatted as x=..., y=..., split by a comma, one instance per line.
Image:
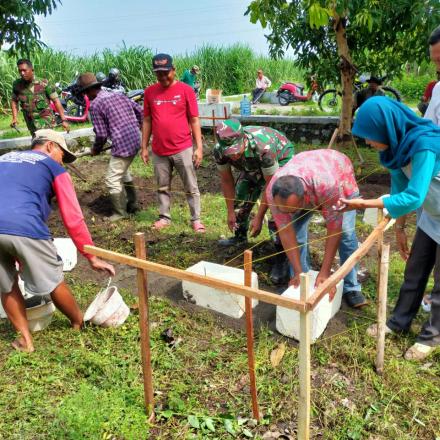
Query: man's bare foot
x=20, y=344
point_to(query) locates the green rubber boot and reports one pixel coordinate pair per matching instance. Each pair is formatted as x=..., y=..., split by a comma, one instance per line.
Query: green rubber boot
x=132, y=206
x=119, y=203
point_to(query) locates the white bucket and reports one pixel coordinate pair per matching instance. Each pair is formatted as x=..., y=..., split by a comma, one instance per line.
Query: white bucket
x=39, y=316
x=66, y=249
x=108, y=309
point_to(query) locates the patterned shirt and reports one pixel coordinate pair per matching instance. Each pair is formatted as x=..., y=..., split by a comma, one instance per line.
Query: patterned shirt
x=266, y=150
x=327, y=175
x=116, y=117
x=34, y=98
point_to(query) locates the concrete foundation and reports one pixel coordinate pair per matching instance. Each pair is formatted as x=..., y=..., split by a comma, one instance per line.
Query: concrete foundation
x=287, y=321
x=223, y=302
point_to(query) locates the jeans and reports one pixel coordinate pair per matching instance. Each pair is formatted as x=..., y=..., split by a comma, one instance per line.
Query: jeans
x=347, y=246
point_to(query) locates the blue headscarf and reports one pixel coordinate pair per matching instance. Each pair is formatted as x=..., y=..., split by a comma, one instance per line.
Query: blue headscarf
x=391, y=123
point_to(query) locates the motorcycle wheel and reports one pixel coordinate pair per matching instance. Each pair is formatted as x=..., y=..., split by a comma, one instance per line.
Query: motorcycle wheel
x=284, y=98
x=330, y=101
x=391, y=93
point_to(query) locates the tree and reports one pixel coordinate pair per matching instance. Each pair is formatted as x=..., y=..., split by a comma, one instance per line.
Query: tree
x=18, y=28
x=333, y=36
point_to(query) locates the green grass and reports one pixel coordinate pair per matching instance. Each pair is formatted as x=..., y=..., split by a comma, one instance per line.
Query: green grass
x=88, y=385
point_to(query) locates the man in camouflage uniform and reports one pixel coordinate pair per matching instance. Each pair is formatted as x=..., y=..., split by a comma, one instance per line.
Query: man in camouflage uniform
x=257, y=152
x=34, y=97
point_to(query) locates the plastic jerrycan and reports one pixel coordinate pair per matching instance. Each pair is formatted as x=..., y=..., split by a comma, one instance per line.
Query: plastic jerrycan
x=245, y=106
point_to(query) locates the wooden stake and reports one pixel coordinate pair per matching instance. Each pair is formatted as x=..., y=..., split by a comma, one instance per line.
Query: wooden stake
x=354, y=258
x=379, y=246
x=250, y=334
x=382, y=308
x=333, y=138
x=141, y=252
x=304, y=364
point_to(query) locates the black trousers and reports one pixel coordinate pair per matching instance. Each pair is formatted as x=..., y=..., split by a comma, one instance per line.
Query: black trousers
x=424, y=256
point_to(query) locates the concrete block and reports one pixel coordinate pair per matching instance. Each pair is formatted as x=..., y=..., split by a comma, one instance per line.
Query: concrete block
x=287, y=321
x=223, y=302
x=205, y=110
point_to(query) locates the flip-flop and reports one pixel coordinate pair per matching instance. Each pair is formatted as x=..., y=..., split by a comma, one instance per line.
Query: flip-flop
x=199, y=227
x=418, y=352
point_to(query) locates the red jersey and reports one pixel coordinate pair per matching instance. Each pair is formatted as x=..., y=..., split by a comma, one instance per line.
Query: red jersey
x=170, y=109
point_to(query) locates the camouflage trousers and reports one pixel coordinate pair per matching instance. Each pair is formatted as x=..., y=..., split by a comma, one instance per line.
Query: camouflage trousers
x=247, y=191
x=36, y=123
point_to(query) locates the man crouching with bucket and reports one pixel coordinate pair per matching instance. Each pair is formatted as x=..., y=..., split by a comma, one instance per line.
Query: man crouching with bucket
x=28, y=182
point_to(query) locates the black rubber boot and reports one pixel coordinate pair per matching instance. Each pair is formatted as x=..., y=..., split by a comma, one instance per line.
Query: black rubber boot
x=132, y=206
x=279, y=273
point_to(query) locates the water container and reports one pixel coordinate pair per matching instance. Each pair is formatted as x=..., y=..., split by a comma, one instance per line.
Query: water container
x=245, y=106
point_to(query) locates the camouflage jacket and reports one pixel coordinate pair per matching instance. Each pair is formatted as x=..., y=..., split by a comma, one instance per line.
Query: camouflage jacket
x=34, y=98
x=266, y=150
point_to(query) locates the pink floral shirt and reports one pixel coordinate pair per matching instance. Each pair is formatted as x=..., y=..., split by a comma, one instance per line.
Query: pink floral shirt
x=327, y=175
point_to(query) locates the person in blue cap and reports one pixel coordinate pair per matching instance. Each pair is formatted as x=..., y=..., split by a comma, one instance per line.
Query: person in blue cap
x=409, y=147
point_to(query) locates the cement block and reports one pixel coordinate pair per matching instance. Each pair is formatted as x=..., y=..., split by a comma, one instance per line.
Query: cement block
x=205, y=110
x=223, y=302
x=287, y=321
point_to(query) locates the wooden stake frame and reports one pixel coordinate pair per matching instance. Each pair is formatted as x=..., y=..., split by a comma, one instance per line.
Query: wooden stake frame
x=305, y=305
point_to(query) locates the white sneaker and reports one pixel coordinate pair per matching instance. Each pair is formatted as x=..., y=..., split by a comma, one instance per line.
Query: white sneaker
x=372, y=330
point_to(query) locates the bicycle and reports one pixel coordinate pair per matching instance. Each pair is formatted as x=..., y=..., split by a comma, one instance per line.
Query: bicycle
x=330, y=101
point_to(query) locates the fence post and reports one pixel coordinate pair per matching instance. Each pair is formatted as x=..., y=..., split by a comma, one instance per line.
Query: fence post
x=379, y=245
x=382, y=308
x=304, y=364
x=144, y=324
x=250, y=334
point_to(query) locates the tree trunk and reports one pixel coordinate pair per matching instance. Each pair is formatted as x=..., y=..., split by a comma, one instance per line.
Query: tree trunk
x=347, y=74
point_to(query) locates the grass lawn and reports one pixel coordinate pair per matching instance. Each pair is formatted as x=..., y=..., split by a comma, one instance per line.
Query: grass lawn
x=88, y=384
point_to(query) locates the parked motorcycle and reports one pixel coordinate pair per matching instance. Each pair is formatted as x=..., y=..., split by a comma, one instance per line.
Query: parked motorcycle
x=76, y=105
x=294, y=92
x=112, y=82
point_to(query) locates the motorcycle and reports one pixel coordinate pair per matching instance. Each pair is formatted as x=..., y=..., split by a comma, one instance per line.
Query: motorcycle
x=112, y=82
x=294, y=92
x=76, y=105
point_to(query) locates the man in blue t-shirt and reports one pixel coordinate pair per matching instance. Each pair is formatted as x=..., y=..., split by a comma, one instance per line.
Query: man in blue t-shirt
x=28, y=182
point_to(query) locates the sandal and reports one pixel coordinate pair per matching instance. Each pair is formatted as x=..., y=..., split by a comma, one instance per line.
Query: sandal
x=161, y=223
x=418, y=352
x=198, y=227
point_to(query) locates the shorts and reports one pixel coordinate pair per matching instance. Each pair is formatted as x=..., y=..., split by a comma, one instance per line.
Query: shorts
x=41, y=268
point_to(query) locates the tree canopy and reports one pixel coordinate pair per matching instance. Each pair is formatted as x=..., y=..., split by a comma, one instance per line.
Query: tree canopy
x=378, y=36
x=18, y=28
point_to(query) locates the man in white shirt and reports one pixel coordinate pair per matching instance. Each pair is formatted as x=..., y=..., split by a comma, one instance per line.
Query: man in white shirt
x=433, y=110
x=262, y=83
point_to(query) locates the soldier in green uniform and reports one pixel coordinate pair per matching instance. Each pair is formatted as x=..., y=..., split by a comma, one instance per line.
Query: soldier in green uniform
x=256, y=152
x=34, y=96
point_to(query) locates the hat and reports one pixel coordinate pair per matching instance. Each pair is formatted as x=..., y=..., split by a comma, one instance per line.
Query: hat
x=47, y=134
x=375, y=79
x=86, y=81
x=196, y=68
x=162, y=61
x=230, y=136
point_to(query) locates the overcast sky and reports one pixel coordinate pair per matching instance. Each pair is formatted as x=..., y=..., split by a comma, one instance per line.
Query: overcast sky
x=174, y=26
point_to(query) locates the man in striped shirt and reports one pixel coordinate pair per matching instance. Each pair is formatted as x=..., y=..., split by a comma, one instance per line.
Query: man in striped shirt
x=118, y=118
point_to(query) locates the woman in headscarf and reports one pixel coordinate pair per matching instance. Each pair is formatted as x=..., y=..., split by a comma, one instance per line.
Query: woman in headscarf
x=409, y=147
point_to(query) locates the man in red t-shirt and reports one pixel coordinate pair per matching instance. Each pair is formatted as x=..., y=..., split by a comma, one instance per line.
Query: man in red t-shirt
x=171, y=115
